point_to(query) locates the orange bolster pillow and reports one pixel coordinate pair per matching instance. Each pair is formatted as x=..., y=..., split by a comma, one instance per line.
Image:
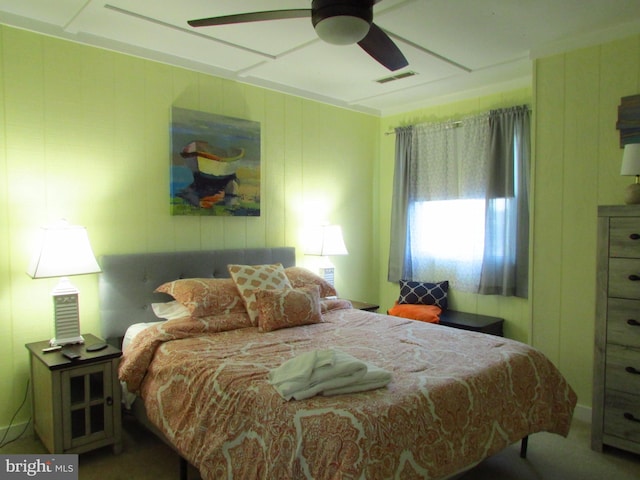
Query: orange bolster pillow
x=423, y=313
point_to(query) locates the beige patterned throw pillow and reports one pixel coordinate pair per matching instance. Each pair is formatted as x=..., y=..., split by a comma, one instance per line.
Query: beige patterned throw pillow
x=287, y=308
x=249, y=278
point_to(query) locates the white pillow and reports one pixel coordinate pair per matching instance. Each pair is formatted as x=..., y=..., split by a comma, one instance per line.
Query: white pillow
x=170, y=310
x=134, y=330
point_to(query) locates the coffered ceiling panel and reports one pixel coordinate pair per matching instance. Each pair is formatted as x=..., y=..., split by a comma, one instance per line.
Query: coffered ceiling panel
x=455, y=48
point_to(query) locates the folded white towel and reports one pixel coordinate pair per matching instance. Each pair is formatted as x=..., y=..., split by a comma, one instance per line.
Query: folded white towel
x=295, y=374
x=374, y=378
x=323, y=371
x=301, y=367
x=345, y=370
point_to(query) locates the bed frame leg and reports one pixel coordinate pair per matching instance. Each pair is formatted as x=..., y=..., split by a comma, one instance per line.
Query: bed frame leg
x=184, y=469
x=523, y=447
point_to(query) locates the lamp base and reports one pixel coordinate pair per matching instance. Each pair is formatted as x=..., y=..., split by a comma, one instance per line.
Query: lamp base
x=65, y=308
x=328, y=274
x=66, y=341
x=632, y=194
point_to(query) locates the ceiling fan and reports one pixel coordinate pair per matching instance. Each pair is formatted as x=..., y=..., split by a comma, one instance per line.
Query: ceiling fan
x=341, y=22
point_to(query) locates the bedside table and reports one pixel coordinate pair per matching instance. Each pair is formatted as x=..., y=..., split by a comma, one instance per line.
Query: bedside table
x=76, y=404
x=472, y=321
x=369, y=307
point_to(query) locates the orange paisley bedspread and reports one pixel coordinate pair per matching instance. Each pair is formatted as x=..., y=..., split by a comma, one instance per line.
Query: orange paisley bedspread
x=455, y=398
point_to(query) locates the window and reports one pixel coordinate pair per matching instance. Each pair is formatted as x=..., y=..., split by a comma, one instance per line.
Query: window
x=460, y=204
x=455, y=250
x=461, y=239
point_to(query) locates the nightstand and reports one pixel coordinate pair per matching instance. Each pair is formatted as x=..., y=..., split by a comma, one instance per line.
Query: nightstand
x=472, y=321
x=369, y=307
x=76, y=404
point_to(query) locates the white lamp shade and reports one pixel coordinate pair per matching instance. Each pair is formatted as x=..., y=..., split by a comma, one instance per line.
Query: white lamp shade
x=64, y=250
x=325, y=240
x=342, y=29
x=631, y=159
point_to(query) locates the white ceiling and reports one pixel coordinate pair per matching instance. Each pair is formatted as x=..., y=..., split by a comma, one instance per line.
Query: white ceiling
x=458, y=48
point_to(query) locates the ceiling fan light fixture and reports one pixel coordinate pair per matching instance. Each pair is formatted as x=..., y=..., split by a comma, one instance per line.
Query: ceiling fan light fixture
x=342, y=29
x=340, y=22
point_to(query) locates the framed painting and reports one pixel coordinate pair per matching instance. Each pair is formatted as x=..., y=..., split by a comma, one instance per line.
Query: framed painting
x=215, y=165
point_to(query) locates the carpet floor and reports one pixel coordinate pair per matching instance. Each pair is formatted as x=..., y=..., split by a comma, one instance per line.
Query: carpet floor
x=549, y=457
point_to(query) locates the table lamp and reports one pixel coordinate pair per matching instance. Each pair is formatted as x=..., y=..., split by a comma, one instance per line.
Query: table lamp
x=64, y=251
x=631, y=166
x=326, y=241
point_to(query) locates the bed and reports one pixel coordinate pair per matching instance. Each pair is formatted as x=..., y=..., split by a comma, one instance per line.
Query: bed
x=455, y=397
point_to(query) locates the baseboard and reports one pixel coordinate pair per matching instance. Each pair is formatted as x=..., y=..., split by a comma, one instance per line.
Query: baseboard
x=582, y=413
x=8, y=434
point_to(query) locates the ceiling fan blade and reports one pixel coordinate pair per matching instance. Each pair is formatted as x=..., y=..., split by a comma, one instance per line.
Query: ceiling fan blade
x=251, y=17
x=382, y=49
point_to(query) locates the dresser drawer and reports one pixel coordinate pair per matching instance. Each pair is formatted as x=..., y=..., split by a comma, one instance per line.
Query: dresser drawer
x=623, y=369
x=624, y=237
x=624, y=277
x=623, y=322
x=622, y=415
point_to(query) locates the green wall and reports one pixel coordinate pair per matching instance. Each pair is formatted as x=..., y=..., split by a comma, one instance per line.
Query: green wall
x=577, y=168
x=84, y=135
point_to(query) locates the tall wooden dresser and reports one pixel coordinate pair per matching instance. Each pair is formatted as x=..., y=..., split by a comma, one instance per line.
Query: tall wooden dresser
x=616, y=382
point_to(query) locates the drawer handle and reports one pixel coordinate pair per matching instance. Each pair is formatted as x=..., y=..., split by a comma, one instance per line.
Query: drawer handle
x=634, y=278
x=632, y=370
x=634, y=236
x=633, y=323
x=629, y=416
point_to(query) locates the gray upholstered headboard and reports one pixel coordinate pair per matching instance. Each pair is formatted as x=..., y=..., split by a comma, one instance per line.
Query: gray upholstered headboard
x=127, y=282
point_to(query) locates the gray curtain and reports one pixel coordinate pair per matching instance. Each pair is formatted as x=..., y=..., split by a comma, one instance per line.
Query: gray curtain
x=400, y=205
x=488, y=158
x=505, y=265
